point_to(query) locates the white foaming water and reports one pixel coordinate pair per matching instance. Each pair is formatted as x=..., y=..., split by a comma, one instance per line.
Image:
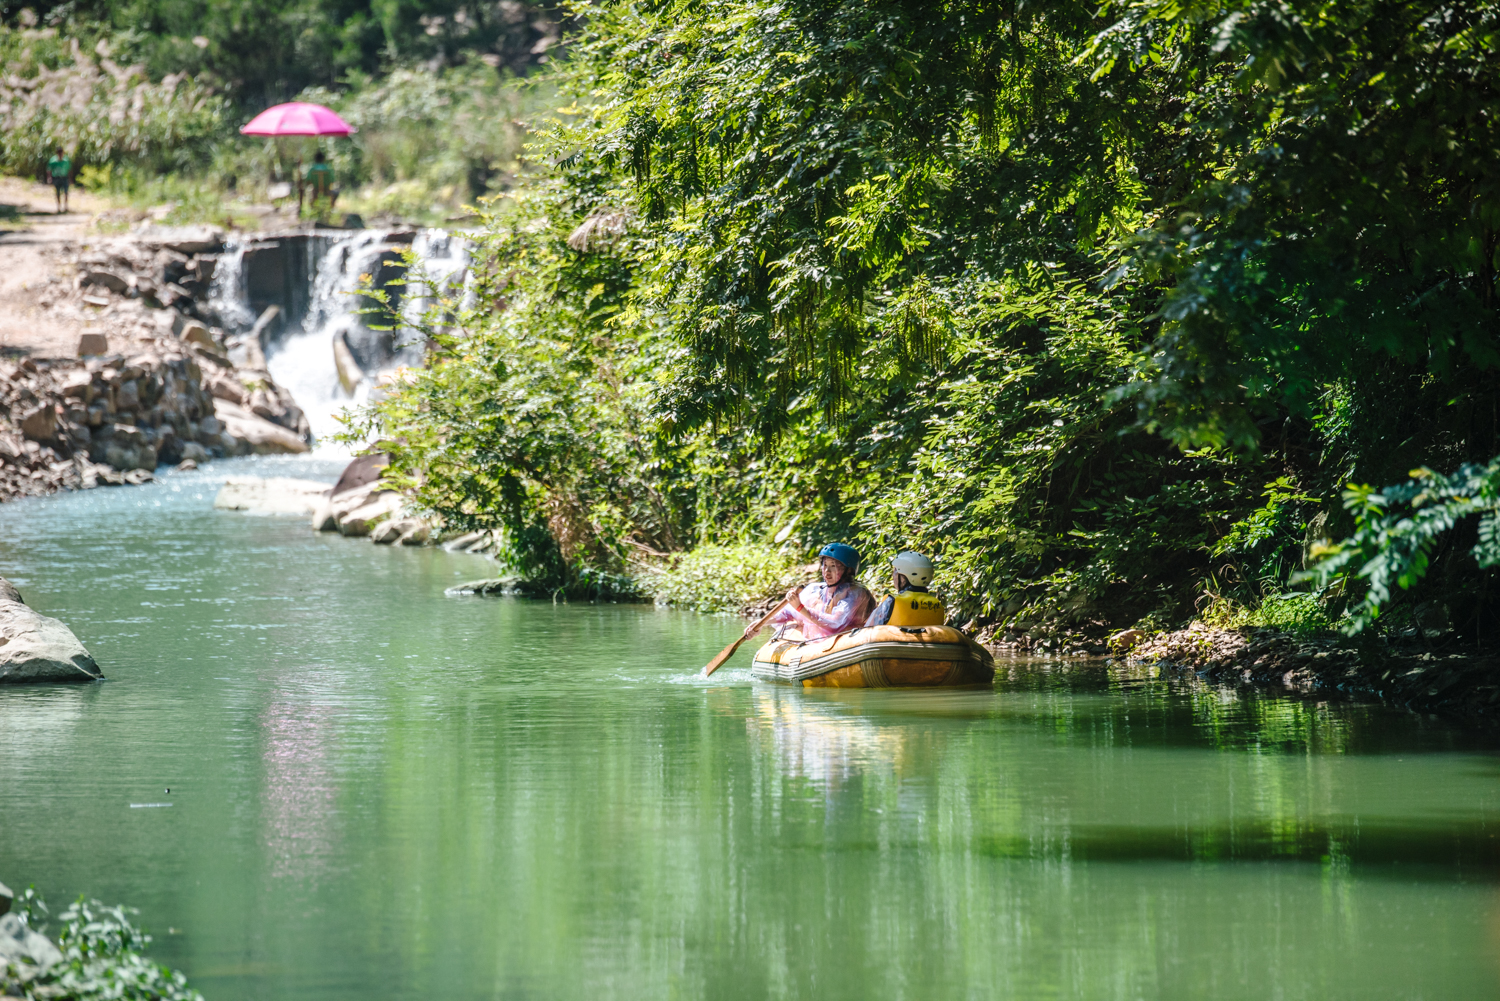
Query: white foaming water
x=303, y=360
x=226, y=290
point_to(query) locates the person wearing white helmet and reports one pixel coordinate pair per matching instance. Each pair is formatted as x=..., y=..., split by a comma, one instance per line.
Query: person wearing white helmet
x=911, y=605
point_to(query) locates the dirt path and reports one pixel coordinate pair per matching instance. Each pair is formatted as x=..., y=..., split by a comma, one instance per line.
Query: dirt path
x=36, y=248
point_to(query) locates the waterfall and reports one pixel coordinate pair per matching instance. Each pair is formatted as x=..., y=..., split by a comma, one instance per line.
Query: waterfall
x=303, y=360
x=321, y=274
x=226, y=290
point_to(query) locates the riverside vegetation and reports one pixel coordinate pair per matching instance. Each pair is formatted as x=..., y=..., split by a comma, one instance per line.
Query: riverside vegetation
x=98, y=955
x=147, y=98
x=1105, y=306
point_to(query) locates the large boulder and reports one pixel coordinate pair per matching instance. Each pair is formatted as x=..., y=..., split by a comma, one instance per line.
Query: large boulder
x=493, y=585
x=123, y=446
x=22, y=947
x=403, y=531
x=263, y=437
x=188, y=239
x=362, y=519
x=271, y=495
x=362, y=471
x=34, y=647
x=40, y=423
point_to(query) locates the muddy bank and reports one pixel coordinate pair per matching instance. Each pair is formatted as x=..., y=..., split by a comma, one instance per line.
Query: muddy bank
x=1458, y=682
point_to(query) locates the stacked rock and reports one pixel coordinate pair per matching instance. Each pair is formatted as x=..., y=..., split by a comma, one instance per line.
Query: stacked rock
x=113, y=418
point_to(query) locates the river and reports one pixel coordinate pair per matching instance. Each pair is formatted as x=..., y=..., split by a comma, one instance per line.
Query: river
x=381, y=792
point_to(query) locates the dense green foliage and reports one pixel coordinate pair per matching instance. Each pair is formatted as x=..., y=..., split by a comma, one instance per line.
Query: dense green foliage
x=59, y=92
x=102, y=958
x=150, y=96
x=425, y=135
x=1101, y=305
x=264, y=51
x=1404, y=529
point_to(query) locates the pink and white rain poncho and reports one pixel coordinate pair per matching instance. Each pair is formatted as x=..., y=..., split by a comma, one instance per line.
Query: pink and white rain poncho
x=828, y=610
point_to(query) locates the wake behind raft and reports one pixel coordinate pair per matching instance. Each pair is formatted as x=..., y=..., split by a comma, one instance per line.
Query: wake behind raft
x=878, y=657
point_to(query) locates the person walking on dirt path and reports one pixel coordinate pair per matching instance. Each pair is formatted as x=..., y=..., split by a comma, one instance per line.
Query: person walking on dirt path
x=60, y=170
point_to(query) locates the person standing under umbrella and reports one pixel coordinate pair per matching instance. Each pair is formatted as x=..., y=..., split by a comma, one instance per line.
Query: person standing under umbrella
x=302, y=119
x=319, y=180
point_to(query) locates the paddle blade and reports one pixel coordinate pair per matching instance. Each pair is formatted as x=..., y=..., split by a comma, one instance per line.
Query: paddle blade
x=724, y=655
x=728, y=651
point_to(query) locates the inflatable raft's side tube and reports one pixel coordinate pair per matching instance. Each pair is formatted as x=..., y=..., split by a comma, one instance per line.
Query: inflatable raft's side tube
x=878, y=657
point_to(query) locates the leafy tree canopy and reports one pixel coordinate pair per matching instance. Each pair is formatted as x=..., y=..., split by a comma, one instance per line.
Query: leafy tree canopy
x=264, y=51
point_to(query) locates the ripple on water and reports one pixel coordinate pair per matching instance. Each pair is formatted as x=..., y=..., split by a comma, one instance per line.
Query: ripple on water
x=381, y=791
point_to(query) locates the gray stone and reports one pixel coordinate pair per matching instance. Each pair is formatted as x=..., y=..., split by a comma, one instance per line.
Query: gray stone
x=363, y=519
x=347, y=366
x=105, y=279
x=388, y=531
x=260, y=435
x=78, y=385
x=92, y=342
x=191, y=239
x=5, y=895
x=323, y=518
x=265, y=324
x=405, y=531
x=40, y=424
x=362, y=471
x=123, y=446
x=463, y=542
x=24, y=947
x=495, y=585
x=34, y=647
x=195, y=332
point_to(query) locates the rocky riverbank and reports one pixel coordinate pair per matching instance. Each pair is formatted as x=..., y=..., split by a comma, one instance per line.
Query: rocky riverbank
x=151, y=380
x=1456, y=681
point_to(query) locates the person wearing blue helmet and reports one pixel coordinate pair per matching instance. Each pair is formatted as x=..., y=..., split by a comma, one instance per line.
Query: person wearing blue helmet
x=834, y=604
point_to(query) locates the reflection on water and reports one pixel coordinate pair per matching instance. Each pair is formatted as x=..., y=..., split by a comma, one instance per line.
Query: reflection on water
x=382, y=792
x=301, y=794
x=807, y=740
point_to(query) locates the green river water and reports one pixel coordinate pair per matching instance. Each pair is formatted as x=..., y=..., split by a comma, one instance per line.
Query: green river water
x=381, y=792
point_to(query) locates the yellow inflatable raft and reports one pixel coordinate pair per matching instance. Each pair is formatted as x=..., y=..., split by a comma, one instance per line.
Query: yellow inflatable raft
x=878, y=657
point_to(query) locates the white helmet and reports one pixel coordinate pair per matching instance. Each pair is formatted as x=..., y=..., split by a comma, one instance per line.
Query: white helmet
x=915, y=567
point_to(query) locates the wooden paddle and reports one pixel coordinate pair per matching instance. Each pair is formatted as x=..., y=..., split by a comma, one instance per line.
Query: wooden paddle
x=728, y=651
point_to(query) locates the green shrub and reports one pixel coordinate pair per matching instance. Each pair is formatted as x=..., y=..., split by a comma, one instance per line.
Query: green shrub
x=714, y=578
x=428, y=140
x=1297, y=612
x=102, y=958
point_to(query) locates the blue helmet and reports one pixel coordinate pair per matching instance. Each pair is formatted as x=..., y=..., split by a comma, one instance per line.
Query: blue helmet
x=847, y=555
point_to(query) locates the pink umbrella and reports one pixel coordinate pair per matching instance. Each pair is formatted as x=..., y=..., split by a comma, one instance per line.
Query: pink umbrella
x=297, y=119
